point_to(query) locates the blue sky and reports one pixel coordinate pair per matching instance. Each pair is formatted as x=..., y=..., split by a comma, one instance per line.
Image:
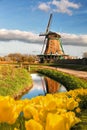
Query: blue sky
x=21, y=21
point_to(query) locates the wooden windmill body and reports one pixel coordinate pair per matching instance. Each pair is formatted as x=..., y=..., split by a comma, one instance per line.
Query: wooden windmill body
x=53, y=45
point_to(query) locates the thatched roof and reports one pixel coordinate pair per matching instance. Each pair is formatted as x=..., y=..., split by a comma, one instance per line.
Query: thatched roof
x=53, y=34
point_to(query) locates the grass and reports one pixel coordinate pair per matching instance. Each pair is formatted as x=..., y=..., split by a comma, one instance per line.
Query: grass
x=69, y=66
x=18, y=125
x=69, y=81
x=13, y=80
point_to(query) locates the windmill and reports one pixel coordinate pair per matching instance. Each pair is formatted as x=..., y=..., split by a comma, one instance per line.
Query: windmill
x=52, y=46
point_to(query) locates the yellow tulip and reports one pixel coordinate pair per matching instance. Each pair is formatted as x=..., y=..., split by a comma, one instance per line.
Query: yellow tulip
x=9, y=108
x=71, y=104
x=55, y=122
x=31, y=112
x=78, y=110
x=33, y=125
x=71, y=119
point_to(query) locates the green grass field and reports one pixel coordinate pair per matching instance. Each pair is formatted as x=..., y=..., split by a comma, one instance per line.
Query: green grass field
x=13, y=80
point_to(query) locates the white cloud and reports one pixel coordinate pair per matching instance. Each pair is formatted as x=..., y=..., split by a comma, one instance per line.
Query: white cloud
x=73, y=39
x=44, y=7
x=62, y=6
x=29, y=37
x=8, y=35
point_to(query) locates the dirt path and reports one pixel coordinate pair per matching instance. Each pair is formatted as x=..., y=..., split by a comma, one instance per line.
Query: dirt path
x=80, y=74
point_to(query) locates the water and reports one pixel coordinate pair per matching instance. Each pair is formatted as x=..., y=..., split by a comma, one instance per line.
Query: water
x=43, y=85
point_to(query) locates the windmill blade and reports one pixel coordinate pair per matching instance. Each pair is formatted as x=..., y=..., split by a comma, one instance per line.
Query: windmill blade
x=49, y=22
x=43, y=45
x=47, y=30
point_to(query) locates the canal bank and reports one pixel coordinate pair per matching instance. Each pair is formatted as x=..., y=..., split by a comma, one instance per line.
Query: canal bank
x=77, y=73
x=68, y=80
x=13, y=80
x=65, y=79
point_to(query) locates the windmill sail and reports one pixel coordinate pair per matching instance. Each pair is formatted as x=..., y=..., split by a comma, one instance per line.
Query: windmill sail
x=49, y=22
x=47, y=30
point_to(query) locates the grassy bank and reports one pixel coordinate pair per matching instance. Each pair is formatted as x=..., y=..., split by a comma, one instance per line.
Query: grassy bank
x=70, y=66
x=34, y=67
x=13, y=80
x=69, y=81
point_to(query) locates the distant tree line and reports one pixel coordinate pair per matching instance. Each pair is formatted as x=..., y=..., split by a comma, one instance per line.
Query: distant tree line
x=17, y=57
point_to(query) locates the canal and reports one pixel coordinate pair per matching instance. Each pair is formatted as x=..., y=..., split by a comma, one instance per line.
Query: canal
x=43, y=85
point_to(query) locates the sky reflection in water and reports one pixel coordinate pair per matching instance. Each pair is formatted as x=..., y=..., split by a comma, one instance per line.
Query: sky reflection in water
x=40, y=87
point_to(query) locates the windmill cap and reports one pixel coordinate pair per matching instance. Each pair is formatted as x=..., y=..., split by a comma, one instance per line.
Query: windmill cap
x=53, y=33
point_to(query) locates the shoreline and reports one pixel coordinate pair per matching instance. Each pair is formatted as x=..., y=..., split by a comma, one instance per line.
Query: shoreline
x=22, y=92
